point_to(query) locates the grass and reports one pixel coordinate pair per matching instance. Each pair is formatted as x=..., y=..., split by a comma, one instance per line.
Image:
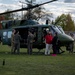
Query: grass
x=36, y=64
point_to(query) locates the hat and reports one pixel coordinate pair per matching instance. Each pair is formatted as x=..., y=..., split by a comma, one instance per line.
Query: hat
x=47, y=29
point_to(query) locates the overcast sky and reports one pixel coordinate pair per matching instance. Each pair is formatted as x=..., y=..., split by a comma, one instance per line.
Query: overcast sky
x=57, y=8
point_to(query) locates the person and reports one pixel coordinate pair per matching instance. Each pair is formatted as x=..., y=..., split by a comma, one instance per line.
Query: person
x=12, y=41
x=59, y=50
x=30, y=42
x=48, y=40
x=17, y=39
x=72, y=46
x=54, y=44
x=0, y=39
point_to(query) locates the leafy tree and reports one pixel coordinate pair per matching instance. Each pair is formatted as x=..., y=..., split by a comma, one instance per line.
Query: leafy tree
x=69, y=23
x=2, y=18
x=61, y=20
x=36, y=13
x=66, y=22
x=9, y=16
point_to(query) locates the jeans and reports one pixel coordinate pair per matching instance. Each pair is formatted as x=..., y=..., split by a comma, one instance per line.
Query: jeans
x=48, y=48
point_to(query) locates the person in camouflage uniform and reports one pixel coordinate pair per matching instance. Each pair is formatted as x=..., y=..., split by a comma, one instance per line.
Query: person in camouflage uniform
x=17, y=39
x=12, y=41
x=30, y=42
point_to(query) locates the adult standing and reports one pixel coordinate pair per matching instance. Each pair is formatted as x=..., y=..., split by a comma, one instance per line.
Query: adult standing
x=72, y=45
x=30, y=42
x=12, y=41
x=54, y=43
x=48, y=41
x=0, y=39
x=17, y=39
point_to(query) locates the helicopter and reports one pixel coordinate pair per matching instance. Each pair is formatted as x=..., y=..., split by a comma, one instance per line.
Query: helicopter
x=38, y=30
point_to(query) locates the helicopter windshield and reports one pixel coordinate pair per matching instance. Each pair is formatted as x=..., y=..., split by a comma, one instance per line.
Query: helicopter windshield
x=60, y=28
x=56, y=28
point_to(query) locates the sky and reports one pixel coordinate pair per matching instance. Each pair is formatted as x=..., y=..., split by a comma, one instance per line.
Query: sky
x=57, y=8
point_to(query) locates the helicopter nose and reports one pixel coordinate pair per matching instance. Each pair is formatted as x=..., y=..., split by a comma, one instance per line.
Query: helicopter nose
x=65, y=37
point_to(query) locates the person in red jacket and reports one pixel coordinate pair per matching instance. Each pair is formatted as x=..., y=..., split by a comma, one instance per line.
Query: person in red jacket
x=48, y=41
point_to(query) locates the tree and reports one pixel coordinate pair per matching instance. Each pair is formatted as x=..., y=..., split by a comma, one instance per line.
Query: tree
x=9, y=16
x=1, y=19
x=36, y=13
x=69, y=23
x=66, y=22
x=61, y=20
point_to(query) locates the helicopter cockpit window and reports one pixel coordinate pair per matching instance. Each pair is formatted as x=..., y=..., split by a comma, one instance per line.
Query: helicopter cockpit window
x=56, y=29
x=60, y=28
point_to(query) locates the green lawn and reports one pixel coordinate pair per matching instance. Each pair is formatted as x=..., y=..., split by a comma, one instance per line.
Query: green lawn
x=36, y=64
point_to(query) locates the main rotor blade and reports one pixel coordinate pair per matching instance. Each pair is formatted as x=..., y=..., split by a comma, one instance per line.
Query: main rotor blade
x=27, y=8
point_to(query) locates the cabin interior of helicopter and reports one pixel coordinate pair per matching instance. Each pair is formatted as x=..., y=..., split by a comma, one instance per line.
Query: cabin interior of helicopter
x=38, y=31
x=24, y=33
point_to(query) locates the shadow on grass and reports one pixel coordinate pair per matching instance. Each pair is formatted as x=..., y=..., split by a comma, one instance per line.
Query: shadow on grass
x=21, y=53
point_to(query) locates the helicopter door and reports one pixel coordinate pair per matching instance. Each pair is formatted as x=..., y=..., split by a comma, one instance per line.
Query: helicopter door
x=6, y=40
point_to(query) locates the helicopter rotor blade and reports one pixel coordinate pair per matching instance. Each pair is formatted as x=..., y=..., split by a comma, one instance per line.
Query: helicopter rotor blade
x=27, y=8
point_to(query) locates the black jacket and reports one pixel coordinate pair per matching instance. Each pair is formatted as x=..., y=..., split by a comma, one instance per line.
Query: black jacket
x=55, y=40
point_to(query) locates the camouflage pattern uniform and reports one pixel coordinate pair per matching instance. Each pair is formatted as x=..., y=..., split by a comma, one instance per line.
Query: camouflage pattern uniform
x=30, y=42
x=12, y=42
x=17, y=39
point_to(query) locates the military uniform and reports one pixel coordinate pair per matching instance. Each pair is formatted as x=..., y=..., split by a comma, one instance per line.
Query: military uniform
x=30, y=42
x=17, y=39
x=12, y=42
x=0, y=39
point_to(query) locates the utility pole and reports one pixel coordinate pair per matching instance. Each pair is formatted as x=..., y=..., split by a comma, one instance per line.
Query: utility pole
x=29, y=4
x=22, y=7
x=22, y=11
